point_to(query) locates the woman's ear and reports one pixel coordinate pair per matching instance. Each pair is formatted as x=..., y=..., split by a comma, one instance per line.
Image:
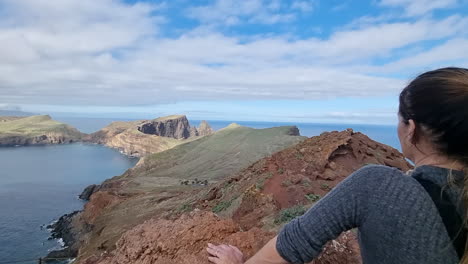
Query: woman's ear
x=411, y=132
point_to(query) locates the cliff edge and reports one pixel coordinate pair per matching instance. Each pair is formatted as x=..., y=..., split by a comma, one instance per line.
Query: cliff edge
x=144, y=137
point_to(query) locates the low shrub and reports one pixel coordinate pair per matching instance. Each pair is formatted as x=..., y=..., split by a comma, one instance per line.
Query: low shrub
x=289, y=214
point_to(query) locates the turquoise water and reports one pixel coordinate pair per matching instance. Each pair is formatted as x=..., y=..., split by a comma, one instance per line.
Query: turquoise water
x=38, y=184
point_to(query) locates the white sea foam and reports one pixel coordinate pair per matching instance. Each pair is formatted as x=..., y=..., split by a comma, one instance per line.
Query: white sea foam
x=61, y=243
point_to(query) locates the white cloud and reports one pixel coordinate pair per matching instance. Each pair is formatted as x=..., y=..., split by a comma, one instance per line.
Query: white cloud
x=86, y=52
x=450, y=53
x=303, y=6
x=419, y=7
x=231, y=12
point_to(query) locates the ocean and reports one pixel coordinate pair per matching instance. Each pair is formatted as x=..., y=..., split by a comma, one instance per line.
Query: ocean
x=38, y=184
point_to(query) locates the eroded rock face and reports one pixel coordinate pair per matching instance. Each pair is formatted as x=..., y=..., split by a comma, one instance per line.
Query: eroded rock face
x=88, y=191
x=68, y=228
x=143, y=137
x=182, y=241
x=175, y=127
x=204, y=129
x=45, y=139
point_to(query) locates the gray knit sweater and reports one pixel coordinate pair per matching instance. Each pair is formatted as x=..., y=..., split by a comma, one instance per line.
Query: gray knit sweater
x=397, y=220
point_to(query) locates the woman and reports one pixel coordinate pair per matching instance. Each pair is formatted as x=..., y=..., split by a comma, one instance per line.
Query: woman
x=401, y=218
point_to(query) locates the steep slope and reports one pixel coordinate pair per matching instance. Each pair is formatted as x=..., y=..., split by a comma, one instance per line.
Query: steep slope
x=143, y=137
x=36, y=130
x=255, y=202
x=157, y=184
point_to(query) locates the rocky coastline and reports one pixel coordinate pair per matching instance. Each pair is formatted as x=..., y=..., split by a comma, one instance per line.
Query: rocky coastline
x=62, y=229
x=69, y=228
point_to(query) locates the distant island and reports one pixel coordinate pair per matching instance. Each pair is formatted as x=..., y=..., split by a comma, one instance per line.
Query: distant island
x=35, y=130
x=134, y=138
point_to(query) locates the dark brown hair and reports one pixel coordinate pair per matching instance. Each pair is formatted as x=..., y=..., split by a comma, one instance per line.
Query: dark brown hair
x=437, y=101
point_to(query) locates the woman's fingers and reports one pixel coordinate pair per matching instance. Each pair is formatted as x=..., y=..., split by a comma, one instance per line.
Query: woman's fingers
x=214, y=260
x=212, y=251
x=212, y=246
x=236, y=249
x=225, y=247
x=223, y=254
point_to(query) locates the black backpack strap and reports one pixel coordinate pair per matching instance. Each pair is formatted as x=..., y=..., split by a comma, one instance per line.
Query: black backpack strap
x=452, y=220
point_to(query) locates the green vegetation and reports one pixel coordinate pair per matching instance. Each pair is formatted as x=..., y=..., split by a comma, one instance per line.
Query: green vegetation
x=286, y=183
x=280, y=170
x=33, y=126
x=312, y=197
x=185, y=208
x=260, y=184
x=325, y=187
x=306, y=182
x=299, y=156
x=221, y=206
x=269, y=175
x=289, y=214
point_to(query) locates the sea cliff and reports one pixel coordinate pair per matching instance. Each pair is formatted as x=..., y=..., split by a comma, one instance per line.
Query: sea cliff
x=144, y=137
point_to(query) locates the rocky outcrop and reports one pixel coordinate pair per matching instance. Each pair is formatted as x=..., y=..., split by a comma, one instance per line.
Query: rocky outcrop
x=68, y=228
x=36, y=130
x=254, y=202
x=184, y=241
x=204, y=129
x=172, y=126
x=177, y=127
x=88, y=191
x=144, y=137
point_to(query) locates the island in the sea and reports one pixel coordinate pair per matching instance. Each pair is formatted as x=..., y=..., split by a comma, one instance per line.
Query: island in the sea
x=36, y=130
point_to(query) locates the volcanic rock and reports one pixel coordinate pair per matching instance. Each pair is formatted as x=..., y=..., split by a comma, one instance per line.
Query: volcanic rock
x=182, y=241
x=88, y=191
x=143, y=137
x=204, y=129
x=172, y=126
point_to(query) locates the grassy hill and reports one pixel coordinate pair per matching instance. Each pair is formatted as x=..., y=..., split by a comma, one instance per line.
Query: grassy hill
x=35, y=130
x=213, y=157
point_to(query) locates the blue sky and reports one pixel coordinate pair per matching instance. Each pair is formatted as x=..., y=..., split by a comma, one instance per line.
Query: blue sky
x=260, y=60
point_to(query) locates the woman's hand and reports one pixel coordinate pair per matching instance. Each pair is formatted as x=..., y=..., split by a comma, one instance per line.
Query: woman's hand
x=225, y=254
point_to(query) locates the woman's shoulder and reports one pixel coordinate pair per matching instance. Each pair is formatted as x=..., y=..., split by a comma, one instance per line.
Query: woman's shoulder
x=379, y=171
x=379, y=174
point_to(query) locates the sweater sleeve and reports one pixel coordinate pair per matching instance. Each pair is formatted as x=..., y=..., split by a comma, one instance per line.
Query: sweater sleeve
x=344, y=208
